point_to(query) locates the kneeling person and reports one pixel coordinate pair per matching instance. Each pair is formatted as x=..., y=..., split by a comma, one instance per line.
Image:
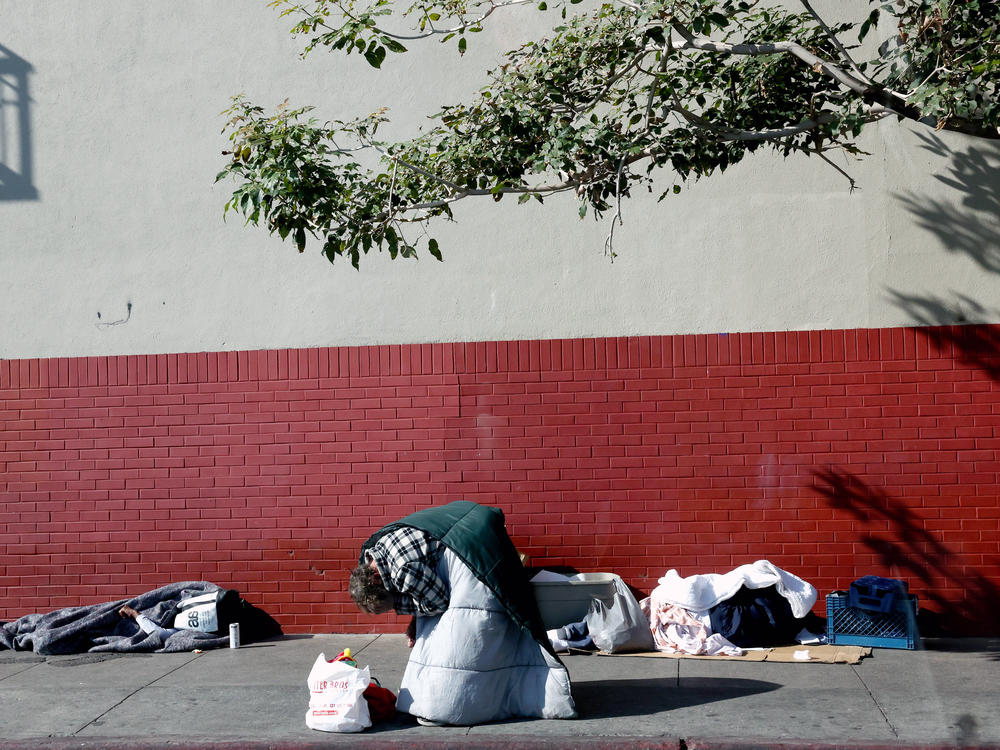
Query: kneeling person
x=480, y=652
x=399, y=572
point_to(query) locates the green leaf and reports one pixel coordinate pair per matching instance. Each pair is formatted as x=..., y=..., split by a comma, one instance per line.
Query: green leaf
x=375, y=55
x=867, y=25
x=461, y=45
x=332, y=248
x=433, y=249
x=300, y=239
x=392, y=239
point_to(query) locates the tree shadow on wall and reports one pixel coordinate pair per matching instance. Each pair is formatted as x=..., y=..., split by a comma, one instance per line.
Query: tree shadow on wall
x=910, y=551
x=943, y=323
x=973, y=229
x=970, y=227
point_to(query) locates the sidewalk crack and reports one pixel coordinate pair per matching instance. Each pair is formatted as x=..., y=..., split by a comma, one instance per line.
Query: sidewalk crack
x=138, y=689
x=885, y=716
x=31, y=665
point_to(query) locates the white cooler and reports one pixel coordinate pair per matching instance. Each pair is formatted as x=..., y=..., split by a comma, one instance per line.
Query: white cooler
x=564, y=601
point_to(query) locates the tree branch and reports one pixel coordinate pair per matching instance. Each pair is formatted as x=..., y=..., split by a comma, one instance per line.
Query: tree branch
x=599, y=96
x=775, y=48
x=735, y=134
x=593, y=174
x=836, y=43
x=426, y=34
x=654, y=86
x=829, y=161
x=871, y=94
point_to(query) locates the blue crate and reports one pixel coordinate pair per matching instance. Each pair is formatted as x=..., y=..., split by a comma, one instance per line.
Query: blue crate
x=876, y=594
x=850, y=626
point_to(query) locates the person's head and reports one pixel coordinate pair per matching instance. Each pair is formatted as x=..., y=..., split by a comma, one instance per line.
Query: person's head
x=368, y=591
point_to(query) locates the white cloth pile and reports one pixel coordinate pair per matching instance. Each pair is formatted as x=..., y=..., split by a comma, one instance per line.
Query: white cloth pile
x=678, y=608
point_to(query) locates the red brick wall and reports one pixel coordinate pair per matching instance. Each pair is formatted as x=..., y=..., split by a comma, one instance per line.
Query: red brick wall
x=833, y=454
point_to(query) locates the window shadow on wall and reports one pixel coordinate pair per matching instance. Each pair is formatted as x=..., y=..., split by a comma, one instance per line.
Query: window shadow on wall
x=902, y=546
x=973, y=227
x=16, y=155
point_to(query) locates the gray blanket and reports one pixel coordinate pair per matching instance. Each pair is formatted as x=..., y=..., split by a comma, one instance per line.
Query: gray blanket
x=99, y=627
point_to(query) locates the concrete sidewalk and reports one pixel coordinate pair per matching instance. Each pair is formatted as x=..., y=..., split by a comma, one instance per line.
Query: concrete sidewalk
x=948, y=693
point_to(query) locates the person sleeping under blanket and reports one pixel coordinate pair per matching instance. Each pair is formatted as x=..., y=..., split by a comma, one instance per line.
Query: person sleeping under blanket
x=162, y=620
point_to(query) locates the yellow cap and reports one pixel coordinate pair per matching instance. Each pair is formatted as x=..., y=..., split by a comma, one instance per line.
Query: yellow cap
x=347, y=653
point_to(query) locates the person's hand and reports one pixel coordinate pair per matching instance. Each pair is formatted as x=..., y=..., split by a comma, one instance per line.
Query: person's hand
x=411, y=632
x=127, y=611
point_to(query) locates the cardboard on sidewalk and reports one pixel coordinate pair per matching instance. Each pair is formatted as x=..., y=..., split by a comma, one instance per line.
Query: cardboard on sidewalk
x=821, y=654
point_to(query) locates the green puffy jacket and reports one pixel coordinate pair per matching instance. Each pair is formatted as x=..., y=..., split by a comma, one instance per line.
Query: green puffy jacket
x=477, y=535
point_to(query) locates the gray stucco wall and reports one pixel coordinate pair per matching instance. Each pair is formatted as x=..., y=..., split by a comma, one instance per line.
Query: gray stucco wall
x=124, y=249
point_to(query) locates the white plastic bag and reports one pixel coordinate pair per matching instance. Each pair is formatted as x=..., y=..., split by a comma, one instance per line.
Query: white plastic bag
x=621, y=627
x=198, y=613
x=336, y=697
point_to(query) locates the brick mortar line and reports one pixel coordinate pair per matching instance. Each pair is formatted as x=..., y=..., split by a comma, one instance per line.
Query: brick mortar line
x=942, y=342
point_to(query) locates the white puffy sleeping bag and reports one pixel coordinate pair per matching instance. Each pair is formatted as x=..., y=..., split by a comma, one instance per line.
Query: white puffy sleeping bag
x=472, y=664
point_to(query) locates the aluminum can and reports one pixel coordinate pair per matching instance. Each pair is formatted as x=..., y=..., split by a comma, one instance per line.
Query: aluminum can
x=234, y=635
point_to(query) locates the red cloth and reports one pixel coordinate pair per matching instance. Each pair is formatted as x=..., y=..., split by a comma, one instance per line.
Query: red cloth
x=381, y=702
